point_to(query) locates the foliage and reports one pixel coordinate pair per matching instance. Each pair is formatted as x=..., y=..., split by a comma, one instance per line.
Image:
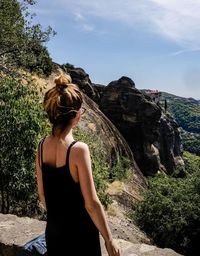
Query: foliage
x=191, y=142
x=187, y=114
x=170, y=211
x=67, y=66
x=121, y=169
x=22, y=123
x=192, y=162
x=22, y=43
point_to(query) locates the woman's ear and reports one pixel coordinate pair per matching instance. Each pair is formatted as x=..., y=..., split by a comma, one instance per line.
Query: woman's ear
x=77, y=117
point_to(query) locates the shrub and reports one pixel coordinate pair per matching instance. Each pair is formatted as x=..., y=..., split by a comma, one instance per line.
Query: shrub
x=121, y=169
x=22, y=124
x=170, y=212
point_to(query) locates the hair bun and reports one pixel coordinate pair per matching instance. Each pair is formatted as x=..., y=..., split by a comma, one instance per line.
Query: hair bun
x=62, y=81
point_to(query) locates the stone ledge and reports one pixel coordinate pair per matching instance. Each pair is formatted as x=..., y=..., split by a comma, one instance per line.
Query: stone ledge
x=16, y=231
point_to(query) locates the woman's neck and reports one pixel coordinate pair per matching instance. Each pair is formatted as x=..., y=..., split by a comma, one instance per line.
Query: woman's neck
x=66, y=134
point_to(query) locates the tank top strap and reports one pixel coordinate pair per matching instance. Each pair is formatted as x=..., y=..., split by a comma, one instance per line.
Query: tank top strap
x=68, y=151
x=40, y=152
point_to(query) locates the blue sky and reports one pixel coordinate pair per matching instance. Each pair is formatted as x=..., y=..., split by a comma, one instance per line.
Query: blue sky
x=154, y=42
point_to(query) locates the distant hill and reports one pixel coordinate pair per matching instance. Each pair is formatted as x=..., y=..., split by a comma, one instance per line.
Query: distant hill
x=186, y=112
x=170, y=96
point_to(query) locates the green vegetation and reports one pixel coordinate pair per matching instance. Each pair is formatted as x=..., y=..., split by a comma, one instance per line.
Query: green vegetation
x=67, y=66
x=21, y=42
x=22, y=124
x=191, y=142
x=187, y=114
x=121, y=169
x=170, y=211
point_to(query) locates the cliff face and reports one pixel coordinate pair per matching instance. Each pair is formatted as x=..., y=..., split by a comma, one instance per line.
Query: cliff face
x=152, y=135
x=169, y=144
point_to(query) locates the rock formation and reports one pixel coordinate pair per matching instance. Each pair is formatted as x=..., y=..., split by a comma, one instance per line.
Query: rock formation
x=153, y=137
x=169, y=144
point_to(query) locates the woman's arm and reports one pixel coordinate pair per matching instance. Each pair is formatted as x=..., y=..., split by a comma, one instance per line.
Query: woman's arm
x=92, y=202
x=38, y=173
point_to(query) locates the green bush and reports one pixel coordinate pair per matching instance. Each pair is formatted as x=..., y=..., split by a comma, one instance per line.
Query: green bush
x=170, y=211
x=121, y=169
x=22, y=125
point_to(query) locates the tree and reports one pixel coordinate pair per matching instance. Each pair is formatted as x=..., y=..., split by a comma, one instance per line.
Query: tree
x=170, y=211
x=22, y=125
x=21, y=42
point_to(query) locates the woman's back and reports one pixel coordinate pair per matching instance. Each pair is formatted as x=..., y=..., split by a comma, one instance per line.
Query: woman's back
x=68, y=222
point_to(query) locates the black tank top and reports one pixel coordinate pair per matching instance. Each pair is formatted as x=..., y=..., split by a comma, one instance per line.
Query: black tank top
x=67, y=218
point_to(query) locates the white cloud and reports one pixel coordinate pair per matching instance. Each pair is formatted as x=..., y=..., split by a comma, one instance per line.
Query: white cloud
x=176, y=20
x=83, y=23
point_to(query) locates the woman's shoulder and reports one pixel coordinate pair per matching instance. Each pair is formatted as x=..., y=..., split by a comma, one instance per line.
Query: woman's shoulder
x=81, y=147
x=41, y=141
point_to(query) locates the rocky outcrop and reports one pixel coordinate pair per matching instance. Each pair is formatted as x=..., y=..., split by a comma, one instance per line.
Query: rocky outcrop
x=169, y=144
x=137, y=119
x=16, y=232
x=153, y=136
x=82, y=79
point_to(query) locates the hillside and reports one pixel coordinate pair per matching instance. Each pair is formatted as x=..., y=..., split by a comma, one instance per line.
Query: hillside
x=186, y=112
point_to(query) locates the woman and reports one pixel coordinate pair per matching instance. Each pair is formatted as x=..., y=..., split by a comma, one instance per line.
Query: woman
x=75, y=215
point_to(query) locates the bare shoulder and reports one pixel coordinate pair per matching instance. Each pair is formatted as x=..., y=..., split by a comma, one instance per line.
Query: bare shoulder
x=81, y=147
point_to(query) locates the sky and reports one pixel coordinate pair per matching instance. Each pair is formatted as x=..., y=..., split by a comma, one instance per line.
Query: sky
x=154, y=42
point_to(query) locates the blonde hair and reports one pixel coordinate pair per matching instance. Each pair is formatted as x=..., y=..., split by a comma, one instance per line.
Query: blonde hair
x=62, y=102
